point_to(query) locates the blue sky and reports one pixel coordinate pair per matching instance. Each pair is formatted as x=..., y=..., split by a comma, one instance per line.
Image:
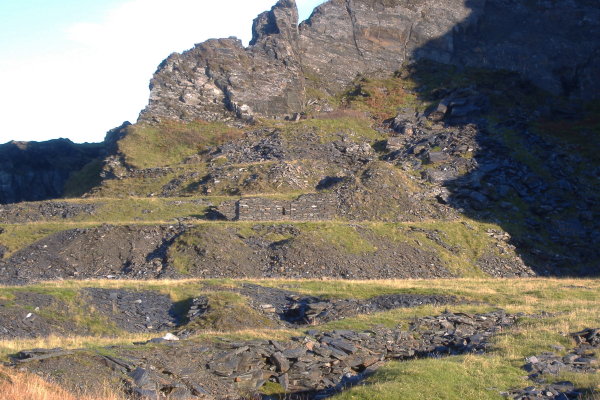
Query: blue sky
x=77, y=68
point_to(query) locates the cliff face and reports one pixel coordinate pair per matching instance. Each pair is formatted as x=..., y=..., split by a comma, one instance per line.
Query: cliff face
x=553, y=43
x=219, y=79
x=31, y=171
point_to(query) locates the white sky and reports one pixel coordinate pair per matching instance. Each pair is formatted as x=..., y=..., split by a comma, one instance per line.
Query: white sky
x=81, y=78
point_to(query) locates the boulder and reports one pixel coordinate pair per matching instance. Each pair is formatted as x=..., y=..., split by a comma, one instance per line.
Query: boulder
x=395, y=143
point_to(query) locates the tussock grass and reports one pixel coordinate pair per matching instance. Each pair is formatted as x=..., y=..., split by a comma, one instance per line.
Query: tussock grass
x=16, y=385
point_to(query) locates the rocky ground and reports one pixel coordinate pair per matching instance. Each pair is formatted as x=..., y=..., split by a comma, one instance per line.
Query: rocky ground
x=238, y=339
x=315, y=365
x=33, y=314
x=581, y=359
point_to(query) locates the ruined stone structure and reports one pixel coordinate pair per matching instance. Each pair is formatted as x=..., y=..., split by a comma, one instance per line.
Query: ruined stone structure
x=308, y=207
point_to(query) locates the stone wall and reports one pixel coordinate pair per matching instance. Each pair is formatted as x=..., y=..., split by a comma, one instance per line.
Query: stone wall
x=308, y=207
x=261, y=209
x=314, y=207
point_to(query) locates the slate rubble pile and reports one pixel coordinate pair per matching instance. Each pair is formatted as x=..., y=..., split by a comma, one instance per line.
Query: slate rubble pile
x=314, y=310
x=133, y=311
x=198, y=307
x=294, y=309
x=327, y=361
x=20, y=317
x=581, y=359
x=105, y=252
x=313, y=366
x=475, y=172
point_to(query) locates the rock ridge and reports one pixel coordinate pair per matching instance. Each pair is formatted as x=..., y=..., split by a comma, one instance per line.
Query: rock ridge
x=221, y=79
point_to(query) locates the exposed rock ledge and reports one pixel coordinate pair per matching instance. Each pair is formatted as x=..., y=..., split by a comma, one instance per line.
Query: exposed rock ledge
x=557, y=48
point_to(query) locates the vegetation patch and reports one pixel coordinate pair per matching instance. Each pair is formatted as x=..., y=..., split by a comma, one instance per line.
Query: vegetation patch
x=343, y=236
x=459, y=377
x=381, y=98
x=328, y=128
x=229, y=312
x=170, y=142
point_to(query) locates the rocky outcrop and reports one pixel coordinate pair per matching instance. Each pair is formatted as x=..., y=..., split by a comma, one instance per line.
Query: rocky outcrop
x=32, y=171
x=221, y=79
x=344, y=38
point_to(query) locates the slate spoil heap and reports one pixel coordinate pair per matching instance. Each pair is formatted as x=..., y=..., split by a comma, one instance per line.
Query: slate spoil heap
x=314, y=310
x=313, y=366
x=330, y=159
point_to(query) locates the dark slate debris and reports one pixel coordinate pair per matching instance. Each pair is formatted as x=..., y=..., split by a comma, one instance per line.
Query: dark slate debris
x=579, y=360
x=312, y=366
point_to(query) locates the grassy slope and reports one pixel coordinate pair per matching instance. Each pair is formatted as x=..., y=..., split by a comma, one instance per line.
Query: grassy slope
x=468, y=236
x=149, y=146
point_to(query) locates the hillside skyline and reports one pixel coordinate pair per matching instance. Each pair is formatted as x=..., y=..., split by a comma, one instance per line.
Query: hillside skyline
x=77, y=69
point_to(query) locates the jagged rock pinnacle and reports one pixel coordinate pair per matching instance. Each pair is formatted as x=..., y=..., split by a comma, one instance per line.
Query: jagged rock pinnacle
x=220, y=79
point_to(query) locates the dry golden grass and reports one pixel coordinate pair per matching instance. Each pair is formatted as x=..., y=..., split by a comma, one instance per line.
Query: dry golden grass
x=12, y=346
x=15, y=385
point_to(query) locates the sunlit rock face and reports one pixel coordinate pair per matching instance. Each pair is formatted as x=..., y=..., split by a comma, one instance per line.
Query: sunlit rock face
x=552, y=43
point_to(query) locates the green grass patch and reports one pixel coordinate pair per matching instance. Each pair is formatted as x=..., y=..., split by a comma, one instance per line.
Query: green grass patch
x=356, y=127
x=342, y=236
x=460, y=377
x=140, y=210
x=170, y=142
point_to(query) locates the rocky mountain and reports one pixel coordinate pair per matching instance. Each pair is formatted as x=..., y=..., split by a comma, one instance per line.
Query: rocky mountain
x=552, y=43
x=33, y=171
x=472, y=139
x=304, y=195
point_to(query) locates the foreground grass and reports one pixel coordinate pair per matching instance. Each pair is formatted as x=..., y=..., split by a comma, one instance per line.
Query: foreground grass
x=460, y=377
x=22, y=386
